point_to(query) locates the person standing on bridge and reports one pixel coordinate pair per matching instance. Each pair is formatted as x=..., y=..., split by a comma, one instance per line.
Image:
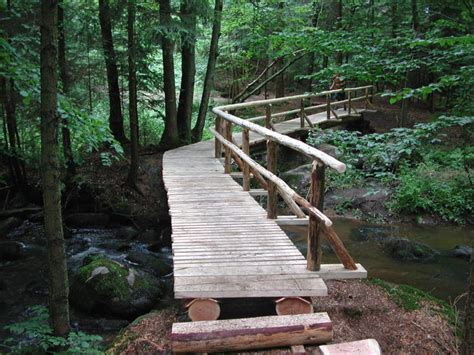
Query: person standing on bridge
x=338, y=82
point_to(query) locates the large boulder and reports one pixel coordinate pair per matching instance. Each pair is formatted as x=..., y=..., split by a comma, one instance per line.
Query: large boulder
x=462, y=252
x=408, y=250
x=150, y=263
x=298, y=178
x=107, y=287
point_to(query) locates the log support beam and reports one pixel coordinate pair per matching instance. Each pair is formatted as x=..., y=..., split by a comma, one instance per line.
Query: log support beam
x=200, y=309
x=251, y=333
x=293, y=305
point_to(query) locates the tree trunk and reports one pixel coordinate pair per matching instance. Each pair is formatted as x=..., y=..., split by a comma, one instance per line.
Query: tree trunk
x=115, y=116
x=12, y=140
x=188, y=70
x=314, y=24
x=50, y=181
x=211, y=66
x=63, y=72
x=467, y=346
x=170, y=138
x=132, y=92
x=339, y=55
x=280, y=81
x=394, y=10
x=414, y=14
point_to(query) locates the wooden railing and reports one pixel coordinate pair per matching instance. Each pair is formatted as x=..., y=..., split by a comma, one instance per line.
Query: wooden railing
x=319, y=224
x=356, y=94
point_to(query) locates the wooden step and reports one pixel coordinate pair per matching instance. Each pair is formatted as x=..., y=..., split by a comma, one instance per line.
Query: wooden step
x=251, y=333
x=360, y=347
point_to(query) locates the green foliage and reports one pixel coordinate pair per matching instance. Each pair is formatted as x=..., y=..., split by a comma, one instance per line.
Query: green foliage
x=429, y=176
x=37, y=336
x=427, y=188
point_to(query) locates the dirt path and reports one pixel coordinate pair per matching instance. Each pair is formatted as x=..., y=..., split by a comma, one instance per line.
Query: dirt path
x=358, y=310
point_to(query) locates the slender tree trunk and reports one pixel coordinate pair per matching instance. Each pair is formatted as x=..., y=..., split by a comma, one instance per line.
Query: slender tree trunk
x=211, y=66
x=339, y=55
x=414, y=14
x=89, y=71
x=170, y=138
x=394, y=17
x=467, y=346
x=17, y=168
x=58, y=278
x=314, y=24
x=280, y=81
x=115, y=117
x=63, y=72
x=132, y=95
x=188, y=69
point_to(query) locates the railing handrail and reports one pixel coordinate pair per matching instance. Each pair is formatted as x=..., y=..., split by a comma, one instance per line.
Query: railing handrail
x=309, y=108
x=282, y=139
x=232, y=107
x=282, y=186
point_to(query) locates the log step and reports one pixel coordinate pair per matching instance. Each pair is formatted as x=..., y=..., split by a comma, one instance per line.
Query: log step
x=360, y=347
x=251, y=333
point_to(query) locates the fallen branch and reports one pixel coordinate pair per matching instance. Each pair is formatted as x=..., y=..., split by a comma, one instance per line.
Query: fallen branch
x=270, y=78
x=20, y=212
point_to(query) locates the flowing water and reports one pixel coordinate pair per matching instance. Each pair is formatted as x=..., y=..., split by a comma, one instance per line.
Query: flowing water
x=445, y=277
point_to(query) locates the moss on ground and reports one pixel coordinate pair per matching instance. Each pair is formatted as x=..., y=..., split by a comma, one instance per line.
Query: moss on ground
x=412, y=298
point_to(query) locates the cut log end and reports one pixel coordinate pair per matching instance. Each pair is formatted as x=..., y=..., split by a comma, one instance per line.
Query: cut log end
x=203, y=309
x=293, y=305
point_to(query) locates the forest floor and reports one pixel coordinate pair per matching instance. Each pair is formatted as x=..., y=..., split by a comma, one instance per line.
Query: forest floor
x=358, y=310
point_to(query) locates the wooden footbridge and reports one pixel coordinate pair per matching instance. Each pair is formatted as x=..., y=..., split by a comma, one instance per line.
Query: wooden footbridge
x=225, y=245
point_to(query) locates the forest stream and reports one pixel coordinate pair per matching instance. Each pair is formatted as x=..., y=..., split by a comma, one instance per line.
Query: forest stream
x=23, y=282
x=444, y=275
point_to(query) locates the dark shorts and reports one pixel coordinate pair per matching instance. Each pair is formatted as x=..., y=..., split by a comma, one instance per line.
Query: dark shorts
x=338, y=96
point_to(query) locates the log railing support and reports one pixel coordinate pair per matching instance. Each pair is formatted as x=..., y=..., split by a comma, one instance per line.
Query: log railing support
x=217, y=144
x=313, y=257
x=228, y=152
x=246, y=167
x=272, y=197
x=328, y=106
x=366, y=97
x=302, y=113
x=349, y=104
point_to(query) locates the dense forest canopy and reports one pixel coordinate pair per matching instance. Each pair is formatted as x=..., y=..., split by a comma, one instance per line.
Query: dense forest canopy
x=415, y=50
x=109, y=79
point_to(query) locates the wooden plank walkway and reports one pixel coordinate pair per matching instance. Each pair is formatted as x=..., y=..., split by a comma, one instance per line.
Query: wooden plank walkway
x=223, y=244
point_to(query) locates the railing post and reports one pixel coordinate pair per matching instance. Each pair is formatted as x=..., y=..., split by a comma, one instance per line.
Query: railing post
x=328, y=107
x=366, y=97
x=350, y=101
x=217, y=144
x=272, y=197
x=246, y=150
x=313, y=257
x=302, y=113
x=228, y=152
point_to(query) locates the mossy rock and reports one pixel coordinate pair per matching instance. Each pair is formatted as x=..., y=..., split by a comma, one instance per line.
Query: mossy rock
x=408, y=250
x=107, y=287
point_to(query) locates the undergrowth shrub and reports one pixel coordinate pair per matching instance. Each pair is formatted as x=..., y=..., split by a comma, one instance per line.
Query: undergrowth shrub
x=35, y=335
